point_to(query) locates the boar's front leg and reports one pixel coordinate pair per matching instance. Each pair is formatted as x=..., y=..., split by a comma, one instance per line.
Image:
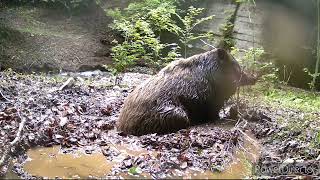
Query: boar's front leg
x=172, y=118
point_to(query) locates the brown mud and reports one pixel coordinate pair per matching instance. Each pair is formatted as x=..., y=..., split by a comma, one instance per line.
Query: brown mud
x=73, y=132
x=51, y=162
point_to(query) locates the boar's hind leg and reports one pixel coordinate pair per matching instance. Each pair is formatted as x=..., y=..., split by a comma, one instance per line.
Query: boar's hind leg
x=173, y=118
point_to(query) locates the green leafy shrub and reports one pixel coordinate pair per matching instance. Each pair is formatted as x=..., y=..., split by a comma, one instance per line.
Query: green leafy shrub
x=312, y=83
x=190, y=21
x=139, y=44
x=253, y=60
x=226, y=29
x=142, y=25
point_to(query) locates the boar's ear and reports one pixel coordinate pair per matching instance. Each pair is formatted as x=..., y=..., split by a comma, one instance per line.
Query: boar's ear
x=222, y=55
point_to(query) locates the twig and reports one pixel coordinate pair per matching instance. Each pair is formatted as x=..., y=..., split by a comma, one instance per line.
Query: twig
x=238, y=122
x=245, y=150
x=19, y=134
x=5, y=156
x=253, y=142
x=208, y=44
x=238, y=97
x=67, y=84
x=115, y=147
x=3, y=97
x=227, y=119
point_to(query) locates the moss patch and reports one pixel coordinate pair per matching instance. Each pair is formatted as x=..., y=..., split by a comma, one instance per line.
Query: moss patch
x=284, y=97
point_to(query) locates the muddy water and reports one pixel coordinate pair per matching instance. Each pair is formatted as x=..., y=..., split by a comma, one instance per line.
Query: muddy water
x=240, y=168
x=51, y=163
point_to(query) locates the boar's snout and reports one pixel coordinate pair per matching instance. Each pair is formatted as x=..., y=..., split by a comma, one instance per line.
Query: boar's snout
x=246, y=79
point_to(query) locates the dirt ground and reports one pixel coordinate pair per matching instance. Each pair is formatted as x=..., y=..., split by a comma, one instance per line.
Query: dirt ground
x=42, y=39
x=82, y=117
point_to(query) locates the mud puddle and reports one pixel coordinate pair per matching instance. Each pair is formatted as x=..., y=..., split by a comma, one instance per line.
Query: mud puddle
x=240, y=168
x=51, y=163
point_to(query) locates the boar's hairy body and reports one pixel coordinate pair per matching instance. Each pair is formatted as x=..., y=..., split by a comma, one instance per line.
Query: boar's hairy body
x=185, y=92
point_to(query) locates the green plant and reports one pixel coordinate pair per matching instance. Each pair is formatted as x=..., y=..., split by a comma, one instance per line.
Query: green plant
x=134, y=170
x=142, y=25
x=140, y=44
x=253, y=61
x=316, y=73
x=190, y=21
x=287, y=72
x=227, y=41
x=226, y=29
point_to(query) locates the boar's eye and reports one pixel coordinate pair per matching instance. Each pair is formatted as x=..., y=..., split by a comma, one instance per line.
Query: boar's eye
x=222, y=54
x=223, y=57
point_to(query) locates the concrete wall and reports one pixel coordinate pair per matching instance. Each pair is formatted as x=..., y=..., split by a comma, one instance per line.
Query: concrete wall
x=221, y=9
x=248, y=24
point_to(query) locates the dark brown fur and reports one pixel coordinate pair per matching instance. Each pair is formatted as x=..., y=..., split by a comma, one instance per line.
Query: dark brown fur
x=185, y=92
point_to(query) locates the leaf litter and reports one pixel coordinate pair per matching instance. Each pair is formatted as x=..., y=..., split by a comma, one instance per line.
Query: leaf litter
x=82, y=116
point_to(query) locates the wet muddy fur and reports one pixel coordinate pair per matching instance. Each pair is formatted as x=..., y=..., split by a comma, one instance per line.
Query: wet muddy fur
x=185, y=92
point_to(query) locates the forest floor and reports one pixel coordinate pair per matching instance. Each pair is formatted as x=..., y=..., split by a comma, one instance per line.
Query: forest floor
x=278, y=124
x=44, y=39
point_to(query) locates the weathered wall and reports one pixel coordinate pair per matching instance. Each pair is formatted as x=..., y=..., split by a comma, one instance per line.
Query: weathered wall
x=248, y=23
x=220, y=9
x=248, y=26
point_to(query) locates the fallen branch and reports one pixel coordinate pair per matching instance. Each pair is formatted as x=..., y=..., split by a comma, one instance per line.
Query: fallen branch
x=114, y=146
x=252, y=141
x=70, y=82
x=238, y=128
x=245, y=150
x=232, y=120
x=6, y=155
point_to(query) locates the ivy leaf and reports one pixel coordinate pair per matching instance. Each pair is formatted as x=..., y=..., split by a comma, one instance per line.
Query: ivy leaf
x=135, y=170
